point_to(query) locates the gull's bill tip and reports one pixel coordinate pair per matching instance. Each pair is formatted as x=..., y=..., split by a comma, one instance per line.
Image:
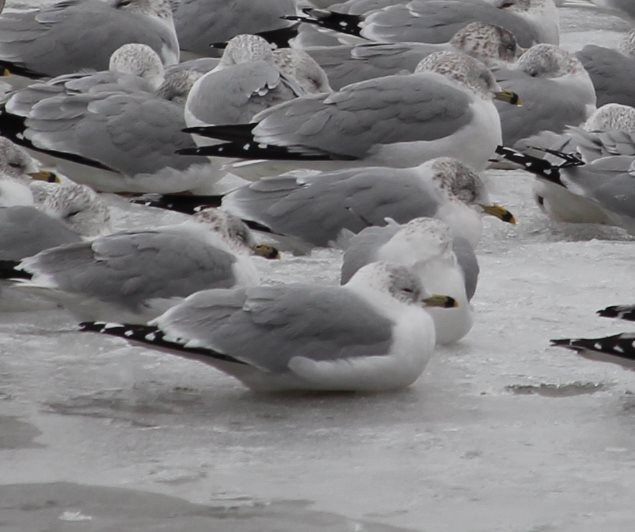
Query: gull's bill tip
x=499, y=212
x=509, y=97
x=440, y=301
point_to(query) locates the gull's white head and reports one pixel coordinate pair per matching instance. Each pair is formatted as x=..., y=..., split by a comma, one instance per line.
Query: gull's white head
x=486, y=42
x=233, y=232
x=468, y=72
x=612, y=116
x=138, y=60
x=79, y=207
x=15, y=162
x=301, y=67
x=418, y=241
x=245, y=49
x=549, y=61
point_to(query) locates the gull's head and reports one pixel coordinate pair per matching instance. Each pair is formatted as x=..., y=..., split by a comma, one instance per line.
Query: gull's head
x=627, y=44
x=16, y=162
x=459, y=183
x=153, y=8
x=419, y=240
x=468, y=72
x=486, y=42
x=612, y=116
x=79, y=207
x=246, y=49
x=303, y=69
x=138, y=60
x=548, y=61
x=234, y=232
x=398, y=282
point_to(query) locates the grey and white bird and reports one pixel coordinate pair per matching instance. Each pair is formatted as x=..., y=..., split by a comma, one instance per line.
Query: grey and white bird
x=137, y=275
x=444, y=109
x=315, y=209
x=372, y=334
x=531, y=21
x=349, y=64
x=73, y=35
x=442, y=264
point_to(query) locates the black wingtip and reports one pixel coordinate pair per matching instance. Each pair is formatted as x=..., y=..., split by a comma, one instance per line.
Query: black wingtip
x=567, y=343
x=229, y=132
x=8, y=270
x=537, y=166
x=180, y=202
x=623, y=312
x=339, y=22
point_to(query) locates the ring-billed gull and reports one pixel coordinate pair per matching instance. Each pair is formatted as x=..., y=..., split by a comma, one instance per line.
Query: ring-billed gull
x=75, y=35
x=199, y=23
x=444, y=109
x=371, y=334
x=617, y=348
x=137, y=275
x=424, y=245
x=114, y=136
x=612, y=71
x=316, y=208
x=531, y=21
x=349, y=64
x=575, y=191
x=556, y=92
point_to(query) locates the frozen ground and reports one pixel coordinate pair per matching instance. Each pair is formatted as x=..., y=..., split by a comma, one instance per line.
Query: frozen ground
x=501, y=433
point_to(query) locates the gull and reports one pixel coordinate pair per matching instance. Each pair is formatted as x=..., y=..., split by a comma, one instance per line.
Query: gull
x=349, y=64
x=444, y=109
x=556, y=92
x=75, y=35
x=602, y=191
x=137, y=275
x=442, y=264
x=315, y=209
x=531, y=21
x=371, y=335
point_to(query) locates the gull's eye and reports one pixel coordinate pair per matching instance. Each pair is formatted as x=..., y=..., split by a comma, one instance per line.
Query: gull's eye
x=408, y=290
x=506, y=4
x=73, y=213
x=124, y=3
x=15, y=164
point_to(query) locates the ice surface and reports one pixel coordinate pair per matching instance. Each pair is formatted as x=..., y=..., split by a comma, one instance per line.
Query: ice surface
x=501, y=433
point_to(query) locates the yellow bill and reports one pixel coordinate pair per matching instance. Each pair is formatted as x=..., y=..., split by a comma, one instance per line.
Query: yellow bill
x=499, y=212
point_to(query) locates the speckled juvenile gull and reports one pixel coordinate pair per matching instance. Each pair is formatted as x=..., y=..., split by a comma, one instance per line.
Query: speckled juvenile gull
x=108, y=131
x=556, y=92
x=444, y=109
x=371, y=334
x=609, y=131
x=576, y=191
x=316, y=208
x=531, y=21
x=137, y=275
x=350, y=64
x=612, y=71
x=200, y=23
x=424, y=245
x=75, y=35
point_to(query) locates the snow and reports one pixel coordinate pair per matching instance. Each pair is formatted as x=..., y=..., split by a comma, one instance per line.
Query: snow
x=501, y=433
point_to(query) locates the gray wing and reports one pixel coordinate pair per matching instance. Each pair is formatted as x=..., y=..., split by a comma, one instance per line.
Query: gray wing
x=597, y=144
x=468, y=263
x=200, y=23
x=618, y=196
x=546, y=107
x=129, y=133
x=27, y=231
x=77, y=35
x=201, y=64
x=268, y=326
x=316, y=209
x=612, y=74
x=132, y=267
x=438, y=21
x=359, y=7
x=362, y=249
x=236, y=94
x=349, y=64
x=350, y=122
